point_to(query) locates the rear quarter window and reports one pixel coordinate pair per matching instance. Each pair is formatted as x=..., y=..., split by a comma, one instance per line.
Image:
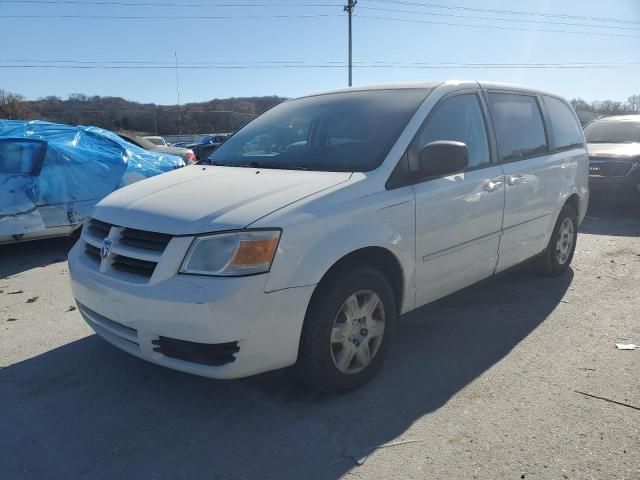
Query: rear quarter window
x=564, y=125
x=518, y=124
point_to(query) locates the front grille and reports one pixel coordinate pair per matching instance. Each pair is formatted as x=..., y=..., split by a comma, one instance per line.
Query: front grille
x=610, y=168
x=133, y=265
x=92, y=252
x=98, y=228
x=143, y=239
x=128, y=245
x=211, y=354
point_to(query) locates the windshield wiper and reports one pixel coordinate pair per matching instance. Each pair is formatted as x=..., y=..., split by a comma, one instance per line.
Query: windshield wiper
x=274, y=166
x=256, y=164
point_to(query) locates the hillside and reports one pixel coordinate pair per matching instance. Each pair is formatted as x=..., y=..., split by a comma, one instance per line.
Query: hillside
x=114, y=113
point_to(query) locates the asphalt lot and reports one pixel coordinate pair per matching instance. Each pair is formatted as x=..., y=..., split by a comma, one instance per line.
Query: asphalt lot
x=482, y=385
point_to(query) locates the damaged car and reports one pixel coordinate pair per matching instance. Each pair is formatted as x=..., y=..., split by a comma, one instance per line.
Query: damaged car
x=52, y=175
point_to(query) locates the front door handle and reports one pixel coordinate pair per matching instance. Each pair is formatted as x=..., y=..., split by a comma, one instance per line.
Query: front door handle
x=516, y=179
x=492, y=186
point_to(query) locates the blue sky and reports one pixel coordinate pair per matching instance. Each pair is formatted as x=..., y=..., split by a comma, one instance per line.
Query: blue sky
x=315, y=40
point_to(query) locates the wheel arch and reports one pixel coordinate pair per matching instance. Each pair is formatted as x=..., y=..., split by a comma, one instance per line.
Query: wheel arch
x=380, y=258
x=574, y=201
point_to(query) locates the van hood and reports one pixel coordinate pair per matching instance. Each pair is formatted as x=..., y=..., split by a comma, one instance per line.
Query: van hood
x=620, y=150
x=201, y=199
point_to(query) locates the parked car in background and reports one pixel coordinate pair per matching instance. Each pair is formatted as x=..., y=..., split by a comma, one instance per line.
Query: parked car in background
x=52, y=175
x=208, y=144
x=186, y=153
x=324, y=219
x=214, y=139
x=157, y=141
x=614, y=157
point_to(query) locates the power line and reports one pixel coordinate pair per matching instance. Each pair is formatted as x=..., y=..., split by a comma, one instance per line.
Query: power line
x=288, y=16
x=335, y=65
x=150, y=62
x=303, y=5
x=508, y=12
x=166, y=17
x=497, y=27
x=300, y=63
x=166, y=4
x=475, y=17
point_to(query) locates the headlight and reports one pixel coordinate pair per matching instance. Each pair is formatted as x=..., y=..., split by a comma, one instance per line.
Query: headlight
x=232, y=254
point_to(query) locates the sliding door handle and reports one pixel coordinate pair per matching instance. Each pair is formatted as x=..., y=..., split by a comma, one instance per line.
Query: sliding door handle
x=516, y=179
x=492, y=186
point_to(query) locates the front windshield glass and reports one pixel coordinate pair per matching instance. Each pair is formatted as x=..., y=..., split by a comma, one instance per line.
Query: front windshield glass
x=613, y=132
x=339, y=132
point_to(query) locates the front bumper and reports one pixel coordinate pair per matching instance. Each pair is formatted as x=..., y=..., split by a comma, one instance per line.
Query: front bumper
x=264, y=328
x=622, y=186
x=616, y=188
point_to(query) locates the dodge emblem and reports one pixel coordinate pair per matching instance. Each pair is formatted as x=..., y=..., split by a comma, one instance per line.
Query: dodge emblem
x=106, y=247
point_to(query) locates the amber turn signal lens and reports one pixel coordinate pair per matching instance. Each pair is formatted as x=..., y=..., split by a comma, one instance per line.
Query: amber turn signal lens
x=255, y=252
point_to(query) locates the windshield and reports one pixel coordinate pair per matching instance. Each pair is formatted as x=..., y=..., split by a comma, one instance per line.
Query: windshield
x=156, y=141
x=339, y=132
x=137, y=141
x=613, y=132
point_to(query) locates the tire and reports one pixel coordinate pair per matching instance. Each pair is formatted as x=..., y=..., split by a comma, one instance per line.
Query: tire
x=323, y=363
x=558, y=255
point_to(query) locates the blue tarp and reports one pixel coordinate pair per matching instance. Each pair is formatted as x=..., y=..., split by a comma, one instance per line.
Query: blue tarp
x=49, y=172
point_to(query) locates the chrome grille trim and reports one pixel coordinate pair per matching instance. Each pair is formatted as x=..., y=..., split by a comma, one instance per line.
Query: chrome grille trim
x=133, y=252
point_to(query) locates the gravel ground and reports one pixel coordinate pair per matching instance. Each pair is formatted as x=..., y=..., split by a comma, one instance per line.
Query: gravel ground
x=482, y=385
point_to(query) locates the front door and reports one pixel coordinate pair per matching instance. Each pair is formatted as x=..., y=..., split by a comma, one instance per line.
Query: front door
x=458, y=217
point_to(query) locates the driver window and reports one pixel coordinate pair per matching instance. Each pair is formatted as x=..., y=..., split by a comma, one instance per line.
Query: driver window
x=459, y=119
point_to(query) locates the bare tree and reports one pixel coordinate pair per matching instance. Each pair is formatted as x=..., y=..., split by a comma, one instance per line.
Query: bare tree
x=13, y=106
x=579, y=104
x=634, y=103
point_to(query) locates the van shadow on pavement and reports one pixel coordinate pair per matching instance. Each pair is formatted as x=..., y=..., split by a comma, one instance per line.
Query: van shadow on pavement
x=87, y=410
x=27, y=255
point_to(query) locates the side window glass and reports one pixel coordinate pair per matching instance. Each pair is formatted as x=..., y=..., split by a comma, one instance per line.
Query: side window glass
x=566, y=129
x=18, y=156
x=459, y=119
x=518, y=124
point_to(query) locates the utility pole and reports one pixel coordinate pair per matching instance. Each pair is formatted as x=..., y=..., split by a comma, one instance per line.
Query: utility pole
x=349, y=9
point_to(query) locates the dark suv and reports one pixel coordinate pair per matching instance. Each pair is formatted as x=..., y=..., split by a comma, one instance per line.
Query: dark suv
x=614, y=157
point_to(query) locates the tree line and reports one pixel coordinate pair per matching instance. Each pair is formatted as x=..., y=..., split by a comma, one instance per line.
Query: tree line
x=116, y=113
x=218, y=115
x=608, y=107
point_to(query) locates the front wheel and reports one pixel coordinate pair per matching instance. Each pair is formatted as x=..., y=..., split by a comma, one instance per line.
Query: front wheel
x=559, y=253
x=347, y=330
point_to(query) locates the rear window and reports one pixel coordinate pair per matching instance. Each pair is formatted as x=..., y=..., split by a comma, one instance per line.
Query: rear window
x=564, y=125
x=518, y=124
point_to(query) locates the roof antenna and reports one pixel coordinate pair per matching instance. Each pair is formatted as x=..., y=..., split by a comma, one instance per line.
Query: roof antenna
x=175, y=54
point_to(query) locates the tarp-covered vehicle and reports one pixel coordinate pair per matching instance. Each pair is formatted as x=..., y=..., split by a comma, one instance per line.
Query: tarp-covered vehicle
x=52, y=175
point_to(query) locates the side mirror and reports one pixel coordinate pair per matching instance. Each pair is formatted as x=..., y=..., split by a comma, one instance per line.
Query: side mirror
x=443, y=158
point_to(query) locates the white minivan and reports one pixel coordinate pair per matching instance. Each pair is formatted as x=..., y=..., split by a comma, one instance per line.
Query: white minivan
x=313, y=228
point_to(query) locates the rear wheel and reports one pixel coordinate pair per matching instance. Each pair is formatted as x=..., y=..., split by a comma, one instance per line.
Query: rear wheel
x=347, y=331
x=559, y=253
